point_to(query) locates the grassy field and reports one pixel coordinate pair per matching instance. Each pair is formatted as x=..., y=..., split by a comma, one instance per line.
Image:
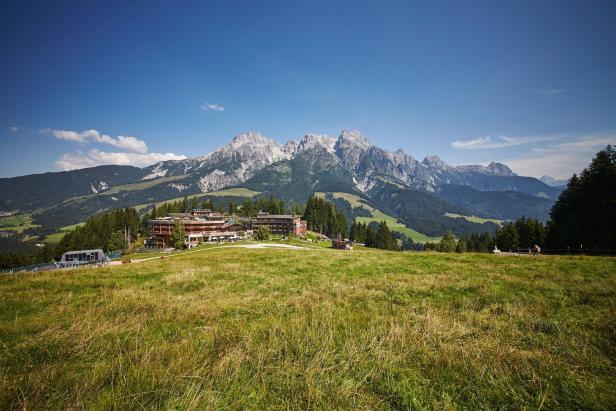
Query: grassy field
x=395, y=225
x=18, y=223
x=379, y=216
x=236, y=192
x=55, y=238
x=233, y=328
x=474, y=219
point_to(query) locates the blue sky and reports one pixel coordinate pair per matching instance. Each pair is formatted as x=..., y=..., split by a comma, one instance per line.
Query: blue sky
x=529, y=83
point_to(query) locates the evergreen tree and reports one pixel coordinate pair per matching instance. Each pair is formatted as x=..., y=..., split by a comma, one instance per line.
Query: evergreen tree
x=207, y=204
x=184, y=205
x=116, y=241
x=232, y=208
x=507, y=238
x=461, y=247
x=584, y=213
x=178, y=236
x=447, y=243
x=296, y=208
x=248, y=209
x=380, y=237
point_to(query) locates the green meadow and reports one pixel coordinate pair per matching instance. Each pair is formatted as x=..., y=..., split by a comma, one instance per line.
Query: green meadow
x=378, y=216
x=17, y=223
x=238, y=328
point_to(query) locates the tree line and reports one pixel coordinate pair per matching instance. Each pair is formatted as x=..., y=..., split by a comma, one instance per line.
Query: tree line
x=584, y=216
x=323, y=217
x=108, y=231
x=523, y=233
x=374, y=235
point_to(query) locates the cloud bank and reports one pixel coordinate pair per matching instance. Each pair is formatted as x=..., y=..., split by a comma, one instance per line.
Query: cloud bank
x=135, y=150
x=483, y=143
x=95, y=158
x=560, y=160
x=86, y=136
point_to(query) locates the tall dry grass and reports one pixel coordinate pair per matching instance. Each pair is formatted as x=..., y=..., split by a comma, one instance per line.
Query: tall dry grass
x=319, y=329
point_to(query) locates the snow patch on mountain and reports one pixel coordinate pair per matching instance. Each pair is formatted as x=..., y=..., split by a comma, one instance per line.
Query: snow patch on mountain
x=179, y=187
x=99, y=187
x=157, y=171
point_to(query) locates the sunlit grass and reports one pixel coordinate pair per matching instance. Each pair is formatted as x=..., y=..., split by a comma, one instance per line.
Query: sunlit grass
x=378, y=216
x=233, y=328
x=475, y=219
x=17, y=223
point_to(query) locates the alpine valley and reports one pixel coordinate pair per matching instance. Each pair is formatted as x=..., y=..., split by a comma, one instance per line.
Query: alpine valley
x=427, y=197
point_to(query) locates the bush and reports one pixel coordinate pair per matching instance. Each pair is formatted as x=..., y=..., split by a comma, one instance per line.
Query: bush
x=263, y=233
x=447, y=243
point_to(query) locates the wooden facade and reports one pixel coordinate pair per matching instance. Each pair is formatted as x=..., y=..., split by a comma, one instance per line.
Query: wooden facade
x=280, y=224
x=196, y=230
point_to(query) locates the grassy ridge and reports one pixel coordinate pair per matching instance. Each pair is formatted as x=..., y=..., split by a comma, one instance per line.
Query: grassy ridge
x=18, y=223
x=313, y=329
x=231, y=192
x=378, y=216
x=395, y=225
x=55, y=238
x=140, y=185
x=475, y=219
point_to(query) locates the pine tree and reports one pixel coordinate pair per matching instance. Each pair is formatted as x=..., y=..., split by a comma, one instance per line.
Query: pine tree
x=178, y=235
x=184, y=205
x=507, y=237
x=447, y=243
x=116, y=241
x=584, y=213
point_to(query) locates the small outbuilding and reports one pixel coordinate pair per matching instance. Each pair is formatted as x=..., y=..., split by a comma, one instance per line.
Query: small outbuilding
x=342, y=244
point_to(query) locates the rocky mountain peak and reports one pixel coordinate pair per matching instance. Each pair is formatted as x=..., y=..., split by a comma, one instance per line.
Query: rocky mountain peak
x=436, y=163
x=500, y=169
x=353, y=138
x=290, y=147
x=251, y=145
x=249, y=137
x=311, y=141
x=553, y=182
x=350, y=146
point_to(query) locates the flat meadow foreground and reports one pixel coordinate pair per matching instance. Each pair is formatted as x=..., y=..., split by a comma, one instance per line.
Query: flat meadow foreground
x=313, y=329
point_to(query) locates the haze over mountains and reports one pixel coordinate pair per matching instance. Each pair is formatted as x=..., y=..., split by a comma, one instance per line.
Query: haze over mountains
x=420, y=193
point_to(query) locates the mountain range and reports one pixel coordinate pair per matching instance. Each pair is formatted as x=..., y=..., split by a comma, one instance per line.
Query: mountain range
x=421, y=194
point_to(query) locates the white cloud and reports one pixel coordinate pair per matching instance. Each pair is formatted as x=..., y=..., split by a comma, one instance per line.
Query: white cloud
x=560, y=160
x=211, y=107
x=96, y=158
x=135, y=154
x=482, y=143
x=549, y=91
x=14, y=129
x=86, y=136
